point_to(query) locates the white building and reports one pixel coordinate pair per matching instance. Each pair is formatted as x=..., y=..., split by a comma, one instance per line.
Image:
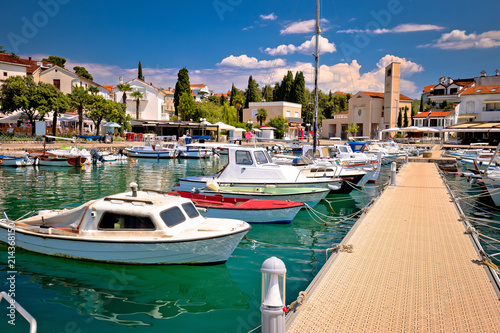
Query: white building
x=10, y=66
x=200, y=91
x=480, y=103
x=151, y=105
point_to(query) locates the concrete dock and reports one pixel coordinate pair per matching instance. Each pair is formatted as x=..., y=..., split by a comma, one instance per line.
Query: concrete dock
x=412, y=268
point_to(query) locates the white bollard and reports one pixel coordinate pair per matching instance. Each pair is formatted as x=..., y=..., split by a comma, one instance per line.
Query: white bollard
x=393, y=174
x=273, y=296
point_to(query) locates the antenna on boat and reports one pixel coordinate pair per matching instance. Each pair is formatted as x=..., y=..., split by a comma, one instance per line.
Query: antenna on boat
x=316, y=64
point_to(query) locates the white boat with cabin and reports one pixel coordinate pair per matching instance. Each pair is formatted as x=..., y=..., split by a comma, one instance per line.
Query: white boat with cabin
x=249, y=166
x=137, y=227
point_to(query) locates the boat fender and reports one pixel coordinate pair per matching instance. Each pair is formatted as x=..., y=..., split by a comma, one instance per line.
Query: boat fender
x=1, y=161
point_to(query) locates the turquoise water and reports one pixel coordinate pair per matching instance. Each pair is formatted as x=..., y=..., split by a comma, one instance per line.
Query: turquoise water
x=75, y=296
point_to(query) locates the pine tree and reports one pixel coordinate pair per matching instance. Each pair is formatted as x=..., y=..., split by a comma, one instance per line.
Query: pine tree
x=182, y=86
x=139, y=73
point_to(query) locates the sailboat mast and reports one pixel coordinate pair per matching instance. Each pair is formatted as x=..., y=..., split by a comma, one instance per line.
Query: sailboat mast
x=316, y=64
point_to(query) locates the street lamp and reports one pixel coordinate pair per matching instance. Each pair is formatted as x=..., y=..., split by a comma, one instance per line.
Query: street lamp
x=307, y=131
x=249, y=122
x=202, y=120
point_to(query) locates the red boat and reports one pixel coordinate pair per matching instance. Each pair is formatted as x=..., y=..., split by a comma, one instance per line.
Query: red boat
x=248, y=210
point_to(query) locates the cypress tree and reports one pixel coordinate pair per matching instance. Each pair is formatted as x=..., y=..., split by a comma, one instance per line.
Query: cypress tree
x=183, y=85
x=405, y=118
x=422, y=103
x=400, y=118
x=286, y=87
x=298, y=94
x=234, y=92
x=252, y=94
x=277, y=92
x=139, y=72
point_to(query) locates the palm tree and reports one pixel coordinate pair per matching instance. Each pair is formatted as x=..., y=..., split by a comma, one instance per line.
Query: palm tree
x=93, y=90
x=124, y=88
x=137, y=95
x=261, y=116
x=78, y=97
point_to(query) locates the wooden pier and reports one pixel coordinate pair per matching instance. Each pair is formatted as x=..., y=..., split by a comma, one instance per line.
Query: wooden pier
x=412, y=268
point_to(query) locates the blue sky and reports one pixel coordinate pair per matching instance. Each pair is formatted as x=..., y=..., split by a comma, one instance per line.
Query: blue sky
x=225, y=41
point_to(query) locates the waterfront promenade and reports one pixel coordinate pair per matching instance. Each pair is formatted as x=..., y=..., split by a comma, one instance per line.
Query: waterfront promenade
x=413, y=268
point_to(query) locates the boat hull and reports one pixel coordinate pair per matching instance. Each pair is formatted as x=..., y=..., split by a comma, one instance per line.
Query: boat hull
x=248, y=210
x=493, y=187
x=282, y=215
x=197, y=182
x=61, y=161
x=151, y=154
x=200, y=251
x=15, y=161
x=311, y=198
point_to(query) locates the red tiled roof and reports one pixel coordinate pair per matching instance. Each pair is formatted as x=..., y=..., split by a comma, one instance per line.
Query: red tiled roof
x=109, y=87
x=343, y=112
x=381, y=95
x=8, y=58
x=482, y=90
x=434, y=114
x=198, y=85
x=428, y=88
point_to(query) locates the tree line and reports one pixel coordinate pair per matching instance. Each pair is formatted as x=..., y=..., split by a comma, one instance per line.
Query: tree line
x=36, y=100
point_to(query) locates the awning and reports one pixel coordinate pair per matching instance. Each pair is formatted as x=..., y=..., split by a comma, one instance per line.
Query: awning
x=491, y=101
x=467, y=116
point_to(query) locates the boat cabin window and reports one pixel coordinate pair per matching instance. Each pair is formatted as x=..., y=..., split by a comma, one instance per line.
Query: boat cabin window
x=112, y=221
x=172, y=216
x=190, y=210
x=260, y=157
x=243, y=157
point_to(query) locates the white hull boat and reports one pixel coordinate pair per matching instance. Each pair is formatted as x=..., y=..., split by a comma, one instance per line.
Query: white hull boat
x=14, y=161
x=153, y=150
x=138, y=227
x=253, y=167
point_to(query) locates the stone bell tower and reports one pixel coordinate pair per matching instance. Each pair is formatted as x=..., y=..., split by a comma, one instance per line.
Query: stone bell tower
x=391, y=93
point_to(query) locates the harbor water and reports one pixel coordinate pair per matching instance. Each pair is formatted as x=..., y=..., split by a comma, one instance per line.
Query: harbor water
x=67, y=295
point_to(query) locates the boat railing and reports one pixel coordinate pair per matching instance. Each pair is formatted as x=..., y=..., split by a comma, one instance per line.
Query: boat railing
x=31, y=320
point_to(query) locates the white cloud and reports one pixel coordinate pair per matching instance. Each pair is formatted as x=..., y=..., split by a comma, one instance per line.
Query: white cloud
x=301, y=27
x=346, y=77
x=270, y=17
x=459, y=40
x=244, y=61
x=402, y=28
x=307, y=47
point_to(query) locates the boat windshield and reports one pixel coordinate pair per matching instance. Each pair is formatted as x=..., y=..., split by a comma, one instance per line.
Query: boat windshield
x=190, y=210
x=112, y=221
x=261, y=157
x=243, y=157
x=173, y=216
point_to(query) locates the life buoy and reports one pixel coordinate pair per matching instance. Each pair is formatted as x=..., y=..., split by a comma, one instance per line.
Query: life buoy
x=1, y=160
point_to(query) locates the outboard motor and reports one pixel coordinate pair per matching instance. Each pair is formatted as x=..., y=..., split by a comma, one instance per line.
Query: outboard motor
x=96, y=156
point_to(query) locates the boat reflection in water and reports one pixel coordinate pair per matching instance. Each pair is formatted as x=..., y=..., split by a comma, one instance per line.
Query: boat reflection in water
x=126, y=295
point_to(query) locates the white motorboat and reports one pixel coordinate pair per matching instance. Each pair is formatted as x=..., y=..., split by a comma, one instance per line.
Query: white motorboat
x=152, y=149
x=343, y=154
x=16, y=161
x=249, y=166
x=137, y=227
x=324, y=169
